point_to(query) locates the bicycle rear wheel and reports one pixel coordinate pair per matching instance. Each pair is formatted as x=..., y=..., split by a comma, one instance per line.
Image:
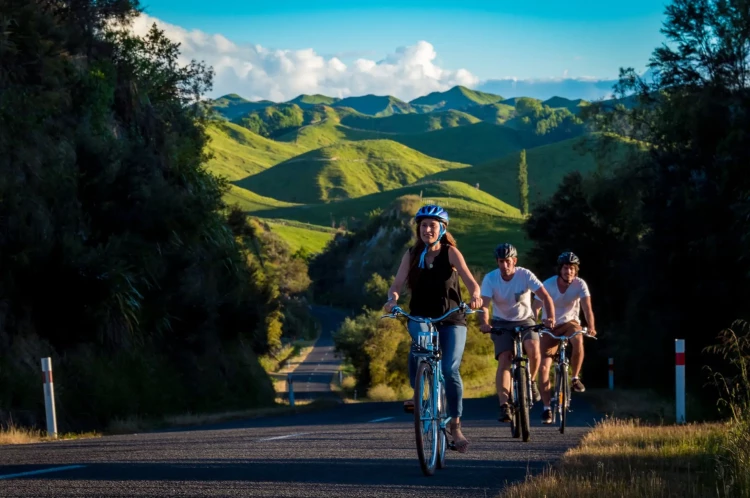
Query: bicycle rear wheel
x=442, y=438
x=562, y=399
x=523, y=403
x=425, y=419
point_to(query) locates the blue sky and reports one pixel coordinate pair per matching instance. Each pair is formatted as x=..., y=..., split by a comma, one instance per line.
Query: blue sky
x=532, y=39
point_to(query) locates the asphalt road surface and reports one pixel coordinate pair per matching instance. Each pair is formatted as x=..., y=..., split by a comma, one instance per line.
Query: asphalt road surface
x=312, y=378
x=355, y=450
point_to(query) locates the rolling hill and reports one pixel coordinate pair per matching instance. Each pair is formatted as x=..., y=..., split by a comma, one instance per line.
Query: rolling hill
x=573, y=106
x=478, y=220
x=547, y=165
x=492, y=113
x=239, y=152
x=313, y=100
x=472, y=144
x=345, y=170
x=409, y=123
x=457, y=98
x=232, y=106
x=376, y=105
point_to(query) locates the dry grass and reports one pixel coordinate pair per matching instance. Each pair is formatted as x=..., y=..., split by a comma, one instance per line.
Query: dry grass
x=24, y=435
x=628, y=459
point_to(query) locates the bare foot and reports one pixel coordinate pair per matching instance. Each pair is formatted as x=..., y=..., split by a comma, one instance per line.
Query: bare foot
x=462, y=444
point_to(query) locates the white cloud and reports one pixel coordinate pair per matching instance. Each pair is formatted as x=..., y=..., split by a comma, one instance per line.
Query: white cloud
x=257, y=72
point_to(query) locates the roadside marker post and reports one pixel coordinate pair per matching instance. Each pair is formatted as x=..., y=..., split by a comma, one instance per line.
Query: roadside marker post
x=290, y=385
x=611, y=374
x=679, y=348
x=341, y=377
x=49, y=397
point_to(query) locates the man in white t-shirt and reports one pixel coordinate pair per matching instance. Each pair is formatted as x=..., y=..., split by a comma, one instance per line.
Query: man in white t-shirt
x=509, y=290
x=570, y=293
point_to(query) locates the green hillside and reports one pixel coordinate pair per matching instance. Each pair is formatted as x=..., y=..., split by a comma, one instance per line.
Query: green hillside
x=345, y=170
x=376, y=105
x=478, y=220
x=472, y=144
x=547, y=165
x=492, y=113
x=280, y=119
x=457, y=98
x=312, y=238
x=409, y=123
x=573, y=106
x=324, y=133
x=251, y=202
x=239, y=152
x=312, y=100
x=232, y=106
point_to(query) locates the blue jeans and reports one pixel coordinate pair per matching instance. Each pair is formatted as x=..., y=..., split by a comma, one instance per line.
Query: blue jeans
x=452, y=341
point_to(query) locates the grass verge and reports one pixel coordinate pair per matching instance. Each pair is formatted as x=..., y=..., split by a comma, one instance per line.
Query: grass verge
x=627, y=459
x=24, y=435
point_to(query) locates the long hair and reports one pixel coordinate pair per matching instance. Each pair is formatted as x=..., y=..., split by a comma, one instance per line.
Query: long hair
x=416, y=251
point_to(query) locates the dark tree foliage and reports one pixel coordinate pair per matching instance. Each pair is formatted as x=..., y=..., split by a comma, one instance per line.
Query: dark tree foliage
x=115, y=246
x=664, y=240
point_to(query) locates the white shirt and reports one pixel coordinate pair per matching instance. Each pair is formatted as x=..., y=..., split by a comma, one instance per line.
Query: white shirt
x=511, y=300
x=568, y=303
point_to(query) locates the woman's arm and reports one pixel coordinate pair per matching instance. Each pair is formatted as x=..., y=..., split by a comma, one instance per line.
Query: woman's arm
x=457, y=260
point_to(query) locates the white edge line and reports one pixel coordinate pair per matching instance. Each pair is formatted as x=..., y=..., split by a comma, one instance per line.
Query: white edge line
x=42, y=471
x=379, y=420
x=283, y=437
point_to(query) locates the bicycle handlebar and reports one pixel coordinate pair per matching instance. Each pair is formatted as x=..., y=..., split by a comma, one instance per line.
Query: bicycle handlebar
x=583, y=331
x=397, y=311
x=521, y=328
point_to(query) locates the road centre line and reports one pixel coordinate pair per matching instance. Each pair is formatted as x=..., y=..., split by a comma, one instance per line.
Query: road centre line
x=42, y=471
x=283, y=437
x=380, y=420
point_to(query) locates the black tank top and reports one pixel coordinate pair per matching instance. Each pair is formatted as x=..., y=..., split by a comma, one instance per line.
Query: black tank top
x=437, y=290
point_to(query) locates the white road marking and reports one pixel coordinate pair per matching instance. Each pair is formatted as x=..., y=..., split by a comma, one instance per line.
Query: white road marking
x=283, y=437
x=42, y=471
x=379, y=420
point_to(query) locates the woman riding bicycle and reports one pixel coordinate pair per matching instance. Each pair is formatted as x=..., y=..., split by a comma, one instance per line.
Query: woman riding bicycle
x=431, y=269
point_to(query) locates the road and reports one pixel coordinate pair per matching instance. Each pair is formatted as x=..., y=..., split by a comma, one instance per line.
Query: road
x=360, y=450
x=312, y=378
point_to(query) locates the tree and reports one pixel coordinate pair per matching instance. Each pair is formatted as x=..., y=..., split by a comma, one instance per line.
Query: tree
x=523, y=184
x=673, y=223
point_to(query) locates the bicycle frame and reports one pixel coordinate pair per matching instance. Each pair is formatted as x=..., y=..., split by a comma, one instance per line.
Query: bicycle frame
x=561, y=365
x=428, y=351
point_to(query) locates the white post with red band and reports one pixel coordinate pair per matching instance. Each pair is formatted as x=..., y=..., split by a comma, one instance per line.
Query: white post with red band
x=49, y=397
x=611, y=374
x=679, y=349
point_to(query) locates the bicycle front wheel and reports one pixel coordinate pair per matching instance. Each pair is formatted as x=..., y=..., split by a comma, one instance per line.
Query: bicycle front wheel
x=442, y=438
x=523, y=403
x=425, y=418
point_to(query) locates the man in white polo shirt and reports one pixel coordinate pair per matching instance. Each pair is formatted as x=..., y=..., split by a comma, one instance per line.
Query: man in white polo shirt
x=569, y=293
x=509, y=290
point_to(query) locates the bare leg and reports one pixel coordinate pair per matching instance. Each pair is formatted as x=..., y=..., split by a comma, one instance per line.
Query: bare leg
x=532, y=351
x=502, y=379
x=546, y=385
x=576, y=361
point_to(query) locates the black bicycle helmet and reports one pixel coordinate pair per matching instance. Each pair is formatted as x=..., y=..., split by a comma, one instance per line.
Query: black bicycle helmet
x=503, y=251
x=568, y=258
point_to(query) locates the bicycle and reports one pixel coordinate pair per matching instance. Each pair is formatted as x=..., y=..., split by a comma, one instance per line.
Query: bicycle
x=560, y=402
x=430, y=411
x=519, y=398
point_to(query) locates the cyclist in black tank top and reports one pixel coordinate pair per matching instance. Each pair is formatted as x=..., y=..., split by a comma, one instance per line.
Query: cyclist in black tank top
x=432, y=269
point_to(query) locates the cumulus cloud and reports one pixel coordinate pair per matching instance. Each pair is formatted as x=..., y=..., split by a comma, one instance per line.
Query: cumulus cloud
x=258, y=72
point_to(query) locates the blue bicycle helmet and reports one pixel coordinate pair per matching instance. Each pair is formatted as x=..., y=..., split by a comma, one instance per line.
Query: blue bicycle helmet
x=432, y=211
